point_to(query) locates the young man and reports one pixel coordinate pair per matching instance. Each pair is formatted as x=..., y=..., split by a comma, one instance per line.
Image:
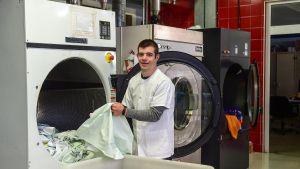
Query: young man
x=149, y=101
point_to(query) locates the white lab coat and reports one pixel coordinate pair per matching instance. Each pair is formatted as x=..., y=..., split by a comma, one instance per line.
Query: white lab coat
x=154, y=139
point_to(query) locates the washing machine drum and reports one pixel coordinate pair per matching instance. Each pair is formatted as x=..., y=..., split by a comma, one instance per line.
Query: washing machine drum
x=193, y=112
x=70, y=92
x=68, y=109
x=186, y=102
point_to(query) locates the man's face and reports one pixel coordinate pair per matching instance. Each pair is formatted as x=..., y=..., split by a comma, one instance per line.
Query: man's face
x=147, y=58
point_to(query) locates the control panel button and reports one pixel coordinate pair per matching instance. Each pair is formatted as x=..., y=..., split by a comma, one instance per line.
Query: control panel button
x=109, y=57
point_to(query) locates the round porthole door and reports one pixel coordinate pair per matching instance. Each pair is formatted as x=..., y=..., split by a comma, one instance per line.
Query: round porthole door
x=253, y=94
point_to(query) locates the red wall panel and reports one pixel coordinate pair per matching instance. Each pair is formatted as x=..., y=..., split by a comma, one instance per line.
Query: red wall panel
x=244, y=2
x=245, y=10
x=245, y=23
x=256, y=33
x=180, y=15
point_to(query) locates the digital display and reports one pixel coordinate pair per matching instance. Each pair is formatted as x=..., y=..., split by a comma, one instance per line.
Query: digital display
x=104, y=30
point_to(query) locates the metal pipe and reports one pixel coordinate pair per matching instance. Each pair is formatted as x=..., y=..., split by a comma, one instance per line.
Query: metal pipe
x=119, y=6
x=155, y=7
x=103, y=4
x=146, y=11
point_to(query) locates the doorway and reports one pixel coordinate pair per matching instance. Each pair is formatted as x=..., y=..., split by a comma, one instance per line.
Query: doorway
x=281, y=78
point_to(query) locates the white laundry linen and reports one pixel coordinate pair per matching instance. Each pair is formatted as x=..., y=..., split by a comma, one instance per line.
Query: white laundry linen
x=110, y=134
x=100, y=135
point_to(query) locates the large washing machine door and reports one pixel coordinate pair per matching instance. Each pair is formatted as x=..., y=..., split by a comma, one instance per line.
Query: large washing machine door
x=197, y=100
x=253, y=94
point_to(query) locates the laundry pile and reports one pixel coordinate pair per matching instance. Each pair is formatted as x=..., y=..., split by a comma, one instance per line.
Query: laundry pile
x=100, y=135
x=234, y=119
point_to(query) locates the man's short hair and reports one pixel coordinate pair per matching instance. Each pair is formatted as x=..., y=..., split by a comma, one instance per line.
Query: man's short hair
x=148, y=42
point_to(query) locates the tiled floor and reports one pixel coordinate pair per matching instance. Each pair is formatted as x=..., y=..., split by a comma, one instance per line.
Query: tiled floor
x=284, y=151
x=273, y=161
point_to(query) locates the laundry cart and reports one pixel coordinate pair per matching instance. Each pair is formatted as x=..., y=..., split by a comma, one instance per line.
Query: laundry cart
x=56, y=61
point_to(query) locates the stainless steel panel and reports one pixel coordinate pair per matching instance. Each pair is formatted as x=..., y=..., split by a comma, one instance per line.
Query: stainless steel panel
x=13, y=120
x=189, y=48
x=177, y=34
x=192, y=158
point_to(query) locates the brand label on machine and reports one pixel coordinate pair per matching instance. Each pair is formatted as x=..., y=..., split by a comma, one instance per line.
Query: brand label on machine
x=76, y=40
x=164, y=47
x=189, y=48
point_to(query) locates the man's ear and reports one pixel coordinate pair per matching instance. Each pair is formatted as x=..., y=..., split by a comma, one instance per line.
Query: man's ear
x=157, y=56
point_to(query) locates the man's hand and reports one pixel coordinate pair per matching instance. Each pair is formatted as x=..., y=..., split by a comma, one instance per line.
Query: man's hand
x=117, y=109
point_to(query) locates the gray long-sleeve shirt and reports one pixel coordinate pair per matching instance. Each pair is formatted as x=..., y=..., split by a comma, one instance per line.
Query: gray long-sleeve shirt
x=151, y=115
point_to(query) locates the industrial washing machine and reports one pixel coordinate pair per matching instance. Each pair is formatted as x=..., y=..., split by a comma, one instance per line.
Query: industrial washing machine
x=227, y=56
x=198, y=102
x=65, y=67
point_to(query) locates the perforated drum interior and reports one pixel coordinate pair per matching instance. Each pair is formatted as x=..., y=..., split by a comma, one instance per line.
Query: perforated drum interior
x=70, y=92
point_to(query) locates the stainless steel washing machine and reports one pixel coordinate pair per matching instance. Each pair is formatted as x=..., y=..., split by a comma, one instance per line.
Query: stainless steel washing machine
x=197, y=95
x=65, y=67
